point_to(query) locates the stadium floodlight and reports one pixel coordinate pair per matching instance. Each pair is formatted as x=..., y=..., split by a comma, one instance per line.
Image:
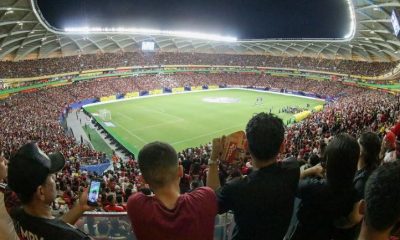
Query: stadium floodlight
x=145, y=31
x=352, y=31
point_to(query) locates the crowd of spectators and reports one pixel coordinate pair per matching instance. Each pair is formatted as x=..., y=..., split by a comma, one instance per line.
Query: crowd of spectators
x=36, y=116
x=42, y=67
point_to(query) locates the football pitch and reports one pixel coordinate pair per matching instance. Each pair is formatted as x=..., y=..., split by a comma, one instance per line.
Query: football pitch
x=189, y=119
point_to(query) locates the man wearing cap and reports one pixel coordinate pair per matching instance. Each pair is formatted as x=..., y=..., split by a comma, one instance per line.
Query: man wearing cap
x=31, y=175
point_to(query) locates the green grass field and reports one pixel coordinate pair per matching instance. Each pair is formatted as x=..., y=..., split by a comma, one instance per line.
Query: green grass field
x=189, y=120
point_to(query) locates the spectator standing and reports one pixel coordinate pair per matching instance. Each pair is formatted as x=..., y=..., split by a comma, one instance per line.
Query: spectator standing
x=168, y=214
x=388, y=149
x=262, y=202
x=381, y=206
x=327, y=204
x=369, y=160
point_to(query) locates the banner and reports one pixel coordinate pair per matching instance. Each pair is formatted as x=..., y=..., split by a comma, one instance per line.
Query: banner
x=300, y=116
x=78, y=105
x=155, y=92
x=109, y=98
x=180, y=89
x=132, y=95
x=318, y=108
x=213, y=87
x=4, y=96
x=98, y=168
x=90, y=74
x=197, y=88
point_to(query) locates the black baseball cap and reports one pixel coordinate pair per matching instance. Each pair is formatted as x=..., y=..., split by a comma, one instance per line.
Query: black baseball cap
x=29, y=167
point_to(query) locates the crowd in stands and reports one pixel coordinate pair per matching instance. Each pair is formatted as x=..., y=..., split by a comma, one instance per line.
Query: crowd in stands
x=38, y=119
x=36, y=116
x=42, y=67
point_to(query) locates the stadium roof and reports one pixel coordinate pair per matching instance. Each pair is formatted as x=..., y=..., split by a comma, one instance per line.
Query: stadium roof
x=25, y=34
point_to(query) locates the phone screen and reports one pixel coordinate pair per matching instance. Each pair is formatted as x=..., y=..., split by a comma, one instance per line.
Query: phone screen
x=94, y=192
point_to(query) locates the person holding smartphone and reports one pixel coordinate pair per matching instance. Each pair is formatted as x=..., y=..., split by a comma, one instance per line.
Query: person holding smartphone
x=31, y=175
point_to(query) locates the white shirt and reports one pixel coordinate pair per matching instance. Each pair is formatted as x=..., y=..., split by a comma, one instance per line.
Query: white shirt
x=389, y=156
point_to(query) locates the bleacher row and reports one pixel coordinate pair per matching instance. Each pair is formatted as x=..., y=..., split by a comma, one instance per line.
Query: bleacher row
x=42, y=67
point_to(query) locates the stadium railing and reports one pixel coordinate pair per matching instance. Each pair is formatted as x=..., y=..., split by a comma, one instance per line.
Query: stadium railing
x=117, y=226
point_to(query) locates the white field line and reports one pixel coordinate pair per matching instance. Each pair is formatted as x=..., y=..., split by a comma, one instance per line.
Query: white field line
x=131, y=133
x=206, y=134
x=125, y=116
x=162, y=112
x=157, y=125
x=178, y=119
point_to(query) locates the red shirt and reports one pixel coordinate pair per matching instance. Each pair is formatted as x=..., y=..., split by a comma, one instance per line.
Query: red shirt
x=396, y=129
x=114, y=208
x=192, y=218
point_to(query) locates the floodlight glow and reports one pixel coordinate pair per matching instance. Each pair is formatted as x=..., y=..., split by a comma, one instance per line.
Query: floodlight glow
x=185, y=34
x=352, y=30
x=147, y=46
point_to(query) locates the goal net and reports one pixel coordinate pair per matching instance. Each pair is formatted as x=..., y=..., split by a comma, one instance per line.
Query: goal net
x=105, y=115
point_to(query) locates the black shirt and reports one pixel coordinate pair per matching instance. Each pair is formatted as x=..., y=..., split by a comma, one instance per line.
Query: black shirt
x=321, y=210
x=262, y=202
x=30, y=227
x=360, y=180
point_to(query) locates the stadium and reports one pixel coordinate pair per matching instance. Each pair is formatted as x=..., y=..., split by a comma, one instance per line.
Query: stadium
x=100, y=95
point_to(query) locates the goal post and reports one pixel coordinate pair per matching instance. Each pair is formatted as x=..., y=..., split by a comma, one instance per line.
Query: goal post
x=105, y=115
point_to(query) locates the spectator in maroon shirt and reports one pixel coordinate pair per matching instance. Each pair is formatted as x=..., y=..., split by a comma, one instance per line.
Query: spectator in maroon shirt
x=168, y=214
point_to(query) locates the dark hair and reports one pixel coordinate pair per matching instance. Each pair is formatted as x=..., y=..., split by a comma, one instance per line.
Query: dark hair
x=195, y=184
x=145, y=191
x=110, y=198
x=158, y=163
x=27, y=196
x=341, y=157
x=265, y=134
x=382, y=197
x=314, y=159
x=370, y=148
x=119, y=198
x=128, y=193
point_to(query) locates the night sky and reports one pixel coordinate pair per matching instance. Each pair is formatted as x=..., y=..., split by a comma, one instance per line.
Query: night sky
x=245, y=19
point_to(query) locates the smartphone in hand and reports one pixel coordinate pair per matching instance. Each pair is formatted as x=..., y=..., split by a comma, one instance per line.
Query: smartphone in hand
x=94, y=192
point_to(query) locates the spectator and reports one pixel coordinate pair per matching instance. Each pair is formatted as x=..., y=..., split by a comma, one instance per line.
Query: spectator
x=31, y=176
x=171, y=215
x=112, y=207
x=262, y=203
x=6, y=225
x=120, y=203
x=49, y=66
x=388, y=149
x=326, y=204
x=369, y=160
x=381, y=206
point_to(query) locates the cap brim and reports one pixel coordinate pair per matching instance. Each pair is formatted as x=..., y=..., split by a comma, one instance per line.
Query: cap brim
x=57, y=162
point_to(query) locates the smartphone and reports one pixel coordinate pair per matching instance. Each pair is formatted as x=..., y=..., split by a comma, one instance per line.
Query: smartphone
x=94, y=192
